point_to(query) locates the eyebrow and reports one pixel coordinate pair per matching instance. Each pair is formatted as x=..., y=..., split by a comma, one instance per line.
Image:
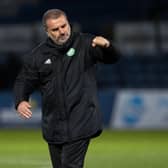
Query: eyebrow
x=63, y=25
x=55, y=29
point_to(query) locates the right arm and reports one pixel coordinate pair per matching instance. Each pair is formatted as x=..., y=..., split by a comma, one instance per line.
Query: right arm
x=26, y=82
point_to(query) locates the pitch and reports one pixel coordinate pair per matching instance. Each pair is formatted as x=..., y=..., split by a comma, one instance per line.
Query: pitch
x=113, y=149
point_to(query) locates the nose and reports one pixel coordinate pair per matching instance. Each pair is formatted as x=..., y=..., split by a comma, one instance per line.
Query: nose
x=61, y=31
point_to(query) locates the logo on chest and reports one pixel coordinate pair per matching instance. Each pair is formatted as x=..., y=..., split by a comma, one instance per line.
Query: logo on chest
x=48, y=61
x=70, y=52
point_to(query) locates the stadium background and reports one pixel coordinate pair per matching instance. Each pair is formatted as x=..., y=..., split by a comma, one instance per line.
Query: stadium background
x=133, y=93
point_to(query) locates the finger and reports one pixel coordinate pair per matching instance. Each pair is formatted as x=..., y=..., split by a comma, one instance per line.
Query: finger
x=93, y=44
x=28, y=105
x=94, y=40
x=25, y=112
x=28, y=114
x=24, y=116
x=106, y=44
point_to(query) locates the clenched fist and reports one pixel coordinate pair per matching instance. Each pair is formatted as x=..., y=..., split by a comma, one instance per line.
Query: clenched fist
x=100, y=41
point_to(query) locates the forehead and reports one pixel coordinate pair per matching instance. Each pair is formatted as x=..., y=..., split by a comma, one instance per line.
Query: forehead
x=55, y=23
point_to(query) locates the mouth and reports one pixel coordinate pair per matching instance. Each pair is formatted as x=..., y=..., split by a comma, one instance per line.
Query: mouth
x=63, y=37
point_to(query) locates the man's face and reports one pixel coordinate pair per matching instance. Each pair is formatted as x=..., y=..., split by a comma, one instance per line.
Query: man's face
x=58, y=29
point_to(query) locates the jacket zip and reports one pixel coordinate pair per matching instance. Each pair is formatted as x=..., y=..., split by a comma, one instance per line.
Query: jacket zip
x=64, y=99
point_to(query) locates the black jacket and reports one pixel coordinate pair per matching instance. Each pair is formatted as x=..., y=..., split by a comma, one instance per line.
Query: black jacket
x=65, y=76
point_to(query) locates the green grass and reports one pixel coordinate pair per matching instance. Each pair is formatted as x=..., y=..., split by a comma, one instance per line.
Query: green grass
x=122, y=149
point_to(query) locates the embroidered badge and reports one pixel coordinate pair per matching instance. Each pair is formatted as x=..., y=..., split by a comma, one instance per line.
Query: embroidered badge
x=70, y=52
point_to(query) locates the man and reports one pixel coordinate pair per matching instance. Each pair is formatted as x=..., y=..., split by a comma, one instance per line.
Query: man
x=62, y=67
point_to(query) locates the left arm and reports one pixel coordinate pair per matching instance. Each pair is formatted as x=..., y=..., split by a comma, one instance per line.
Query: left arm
x=104, y=51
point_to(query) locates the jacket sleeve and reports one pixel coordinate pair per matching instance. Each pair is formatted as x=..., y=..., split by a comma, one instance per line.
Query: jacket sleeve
x=26, y=81
x=108, y=55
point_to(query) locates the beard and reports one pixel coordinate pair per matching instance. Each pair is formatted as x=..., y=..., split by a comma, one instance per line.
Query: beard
x=62, y=39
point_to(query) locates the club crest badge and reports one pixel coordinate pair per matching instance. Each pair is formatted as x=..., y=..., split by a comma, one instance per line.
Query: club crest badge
x=71, y=52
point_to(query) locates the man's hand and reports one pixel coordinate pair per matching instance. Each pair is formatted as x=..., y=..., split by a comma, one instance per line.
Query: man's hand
x=100, y=41
x=23, y=110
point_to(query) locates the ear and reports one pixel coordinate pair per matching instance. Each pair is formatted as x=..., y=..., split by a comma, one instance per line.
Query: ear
x=45, y=29
x=47, y=34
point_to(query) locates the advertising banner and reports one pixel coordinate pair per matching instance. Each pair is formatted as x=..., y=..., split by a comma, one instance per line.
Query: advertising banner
x=140, y=109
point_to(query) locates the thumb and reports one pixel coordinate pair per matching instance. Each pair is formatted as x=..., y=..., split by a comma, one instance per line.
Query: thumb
x=28, y=105
x=93, y=44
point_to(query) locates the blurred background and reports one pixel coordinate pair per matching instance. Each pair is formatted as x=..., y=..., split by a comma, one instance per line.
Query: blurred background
x=133, y=93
